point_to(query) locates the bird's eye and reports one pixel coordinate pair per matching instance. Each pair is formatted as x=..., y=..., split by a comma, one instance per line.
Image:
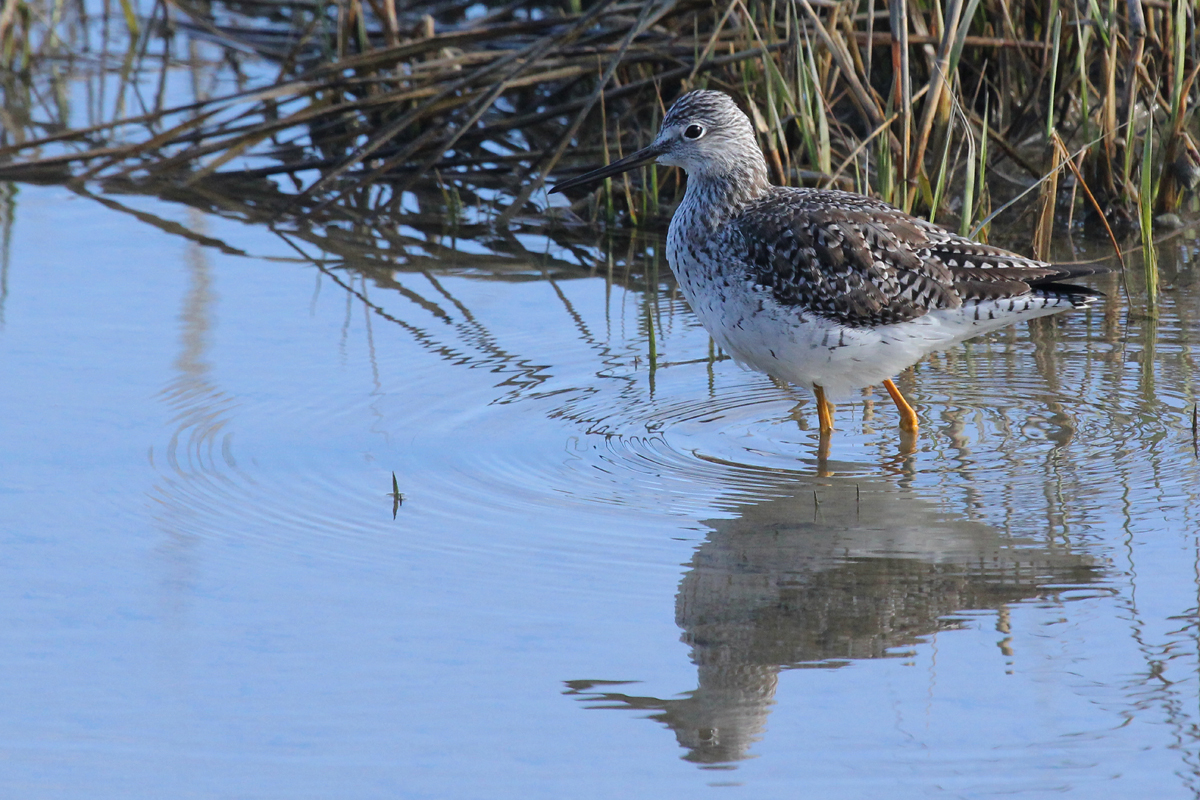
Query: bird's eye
x=693, y=132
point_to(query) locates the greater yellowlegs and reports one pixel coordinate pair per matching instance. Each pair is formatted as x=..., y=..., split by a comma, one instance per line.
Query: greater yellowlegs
x=822, y=288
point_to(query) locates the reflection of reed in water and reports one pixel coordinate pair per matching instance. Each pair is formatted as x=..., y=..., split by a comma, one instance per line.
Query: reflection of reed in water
x=8, y=206
x=864, y=570
x=199, y=414
x=200, y=408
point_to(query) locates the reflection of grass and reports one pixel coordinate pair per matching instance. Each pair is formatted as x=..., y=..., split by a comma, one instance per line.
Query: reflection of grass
x=364, y=92
x=1196, y=428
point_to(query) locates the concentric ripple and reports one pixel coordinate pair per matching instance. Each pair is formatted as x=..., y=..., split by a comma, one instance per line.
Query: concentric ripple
x=497, y=402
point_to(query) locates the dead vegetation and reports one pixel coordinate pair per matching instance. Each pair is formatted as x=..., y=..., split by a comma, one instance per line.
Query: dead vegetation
x=338, y=110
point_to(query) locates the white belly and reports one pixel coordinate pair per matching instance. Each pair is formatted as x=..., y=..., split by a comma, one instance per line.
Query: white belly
x=805, y=349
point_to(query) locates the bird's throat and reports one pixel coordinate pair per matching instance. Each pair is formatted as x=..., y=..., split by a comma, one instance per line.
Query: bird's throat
x=711, y=201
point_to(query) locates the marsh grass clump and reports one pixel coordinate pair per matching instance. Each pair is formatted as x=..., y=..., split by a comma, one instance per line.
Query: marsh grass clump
x=946, y=109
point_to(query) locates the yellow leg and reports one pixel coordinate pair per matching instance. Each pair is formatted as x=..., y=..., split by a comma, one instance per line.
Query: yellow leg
x=824, y=411
x=908, y=417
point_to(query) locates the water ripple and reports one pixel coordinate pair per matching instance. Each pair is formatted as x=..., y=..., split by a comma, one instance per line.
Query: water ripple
x=505, y=399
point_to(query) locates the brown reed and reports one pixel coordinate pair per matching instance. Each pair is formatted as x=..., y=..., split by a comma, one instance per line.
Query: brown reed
x=916, y=101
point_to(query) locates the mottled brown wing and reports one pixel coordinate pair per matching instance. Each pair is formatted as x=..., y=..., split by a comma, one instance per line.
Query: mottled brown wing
x=984, y=272
x=863, y=262
x=859, y=264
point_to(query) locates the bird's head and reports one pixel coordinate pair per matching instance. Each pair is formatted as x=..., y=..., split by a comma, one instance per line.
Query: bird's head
x=704, y=132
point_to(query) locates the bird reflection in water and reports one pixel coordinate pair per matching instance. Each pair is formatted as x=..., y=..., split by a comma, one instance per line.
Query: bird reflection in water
x=836, y=571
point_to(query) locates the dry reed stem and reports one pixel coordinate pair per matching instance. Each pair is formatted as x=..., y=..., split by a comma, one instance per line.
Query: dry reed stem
x=937, y=84
x=648, y=16
x=410, y=96
x=1043, y=232
x=1066, y=159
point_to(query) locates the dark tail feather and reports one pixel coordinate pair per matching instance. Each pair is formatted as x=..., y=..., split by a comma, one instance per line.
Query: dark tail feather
x=1076, y=295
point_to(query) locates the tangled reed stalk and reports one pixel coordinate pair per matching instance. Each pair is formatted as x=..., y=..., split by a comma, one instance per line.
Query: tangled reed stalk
x=334, y=108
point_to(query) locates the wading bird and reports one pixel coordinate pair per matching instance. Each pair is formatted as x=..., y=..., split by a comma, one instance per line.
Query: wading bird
x=827, y=289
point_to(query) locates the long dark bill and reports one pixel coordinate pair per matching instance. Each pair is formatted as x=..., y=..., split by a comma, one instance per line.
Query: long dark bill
x=643, y=156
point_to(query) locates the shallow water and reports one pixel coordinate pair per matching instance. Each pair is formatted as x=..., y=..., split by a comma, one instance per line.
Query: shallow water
x=618, y=568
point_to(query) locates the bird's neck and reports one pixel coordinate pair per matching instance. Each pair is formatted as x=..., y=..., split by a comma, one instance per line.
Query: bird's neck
x=711, y=199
